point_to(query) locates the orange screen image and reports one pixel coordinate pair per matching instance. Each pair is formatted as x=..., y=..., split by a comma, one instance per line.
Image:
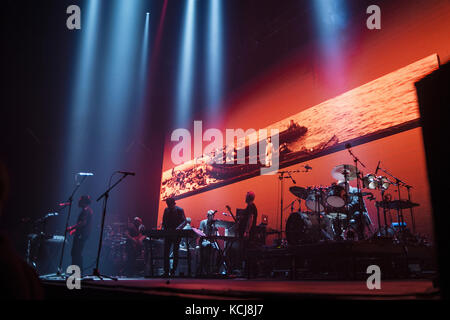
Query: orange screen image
x=380, y=117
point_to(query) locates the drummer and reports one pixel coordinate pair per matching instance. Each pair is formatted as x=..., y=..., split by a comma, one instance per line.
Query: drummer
x=360, y=220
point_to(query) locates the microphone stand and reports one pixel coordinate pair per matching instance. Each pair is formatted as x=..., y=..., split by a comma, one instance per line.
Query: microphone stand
x=358, y=188
x=413, y=222
x=104, y=196
x=77, y=186
x=281, y=177
x=400, y=183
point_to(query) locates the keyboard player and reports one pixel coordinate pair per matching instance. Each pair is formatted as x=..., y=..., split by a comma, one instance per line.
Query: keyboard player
x=173, y=219
x=208, y=246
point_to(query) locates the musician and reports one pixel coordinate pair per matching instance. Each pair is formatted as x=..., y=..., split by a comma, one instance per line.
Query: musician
x=359, y=217
x=191, y=242
x=247, y=222
x=173, y=219
x=247, y=227
x=207, y=246
x=81, y=230
x=134, y=243
x=269, y=152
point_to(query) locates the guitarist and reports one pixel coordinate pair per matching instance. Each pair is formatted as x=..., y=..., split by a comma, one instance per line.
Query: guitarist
x=245, y=227
x=81, y=230
x=247, y=218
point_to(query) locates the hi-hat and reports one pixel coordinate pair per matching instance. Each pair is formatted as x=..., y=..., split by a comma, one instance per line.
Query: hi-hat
x=344, y=172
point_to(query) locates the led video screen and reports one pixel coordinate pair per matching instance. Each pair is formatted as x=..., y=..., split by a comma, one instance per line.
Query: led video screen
x=377, y=109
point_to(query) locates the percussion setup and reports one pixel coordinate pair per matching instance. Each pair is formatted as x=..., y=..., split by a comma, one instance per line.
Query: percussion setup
x=338, y=212
x=326, y=216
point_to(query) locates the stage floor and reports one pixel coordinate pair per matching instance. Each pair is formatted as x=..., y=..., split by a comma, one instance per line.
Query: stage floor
x=182, y=288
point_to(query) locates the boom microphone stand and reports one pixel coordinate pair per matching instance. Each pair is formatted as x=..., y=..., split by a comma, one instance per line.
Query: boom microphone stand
x=358, y=185
x=105, y=196
x=358, y=178
x=413, y=222
x=281, y=176
x=400, y=183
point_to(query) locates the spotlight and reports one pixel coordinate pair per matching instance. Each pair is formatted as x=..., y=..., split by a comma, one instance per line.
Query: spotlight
x=186, y=64
x=214, y=56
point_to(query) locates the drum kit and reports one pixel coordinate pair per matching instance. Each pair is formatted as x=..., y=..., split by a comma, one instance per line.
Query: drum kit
x=326, y=217
x=114, y=245
x=338, y=212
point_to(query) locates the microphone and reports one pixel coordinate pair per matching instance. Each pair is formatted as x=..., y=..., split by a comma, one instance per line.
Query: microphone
x=127, y=173
x=63, y=204
x=51, y=214
x=85, y=174
x=378, y=167
x=293, y=180
x=348, y=145
x=308, y=168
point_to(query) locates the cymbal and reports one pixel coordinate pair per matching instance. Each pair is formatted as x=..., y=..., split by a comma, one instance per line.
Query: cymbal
x=363, y=193
x=334, y=215
x=299, y=192
x=396, y=204
x=339, y=172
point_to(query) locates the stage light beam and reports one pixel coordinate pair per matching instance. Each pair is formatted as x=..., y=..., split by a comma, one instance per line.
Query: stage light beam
x=186, y=65
x=331, y=20
x=214, y=72
x=144, y=59
x=118, y=95
x=82, y=94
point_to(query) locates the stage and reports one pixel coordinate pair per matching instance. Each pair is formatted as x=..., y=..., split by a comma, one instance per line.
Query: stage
x=238, y=289
x=225, y=150
x=335, y=271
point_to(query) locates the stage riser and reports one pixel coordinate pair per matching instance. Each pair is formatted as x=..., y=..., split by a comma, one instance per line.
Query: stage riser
x=342, y=261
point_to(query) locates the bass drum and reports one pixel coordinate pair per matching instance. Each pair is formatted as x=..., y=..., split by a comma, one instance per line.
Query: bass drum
x=298, y=227
x=304, y=228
